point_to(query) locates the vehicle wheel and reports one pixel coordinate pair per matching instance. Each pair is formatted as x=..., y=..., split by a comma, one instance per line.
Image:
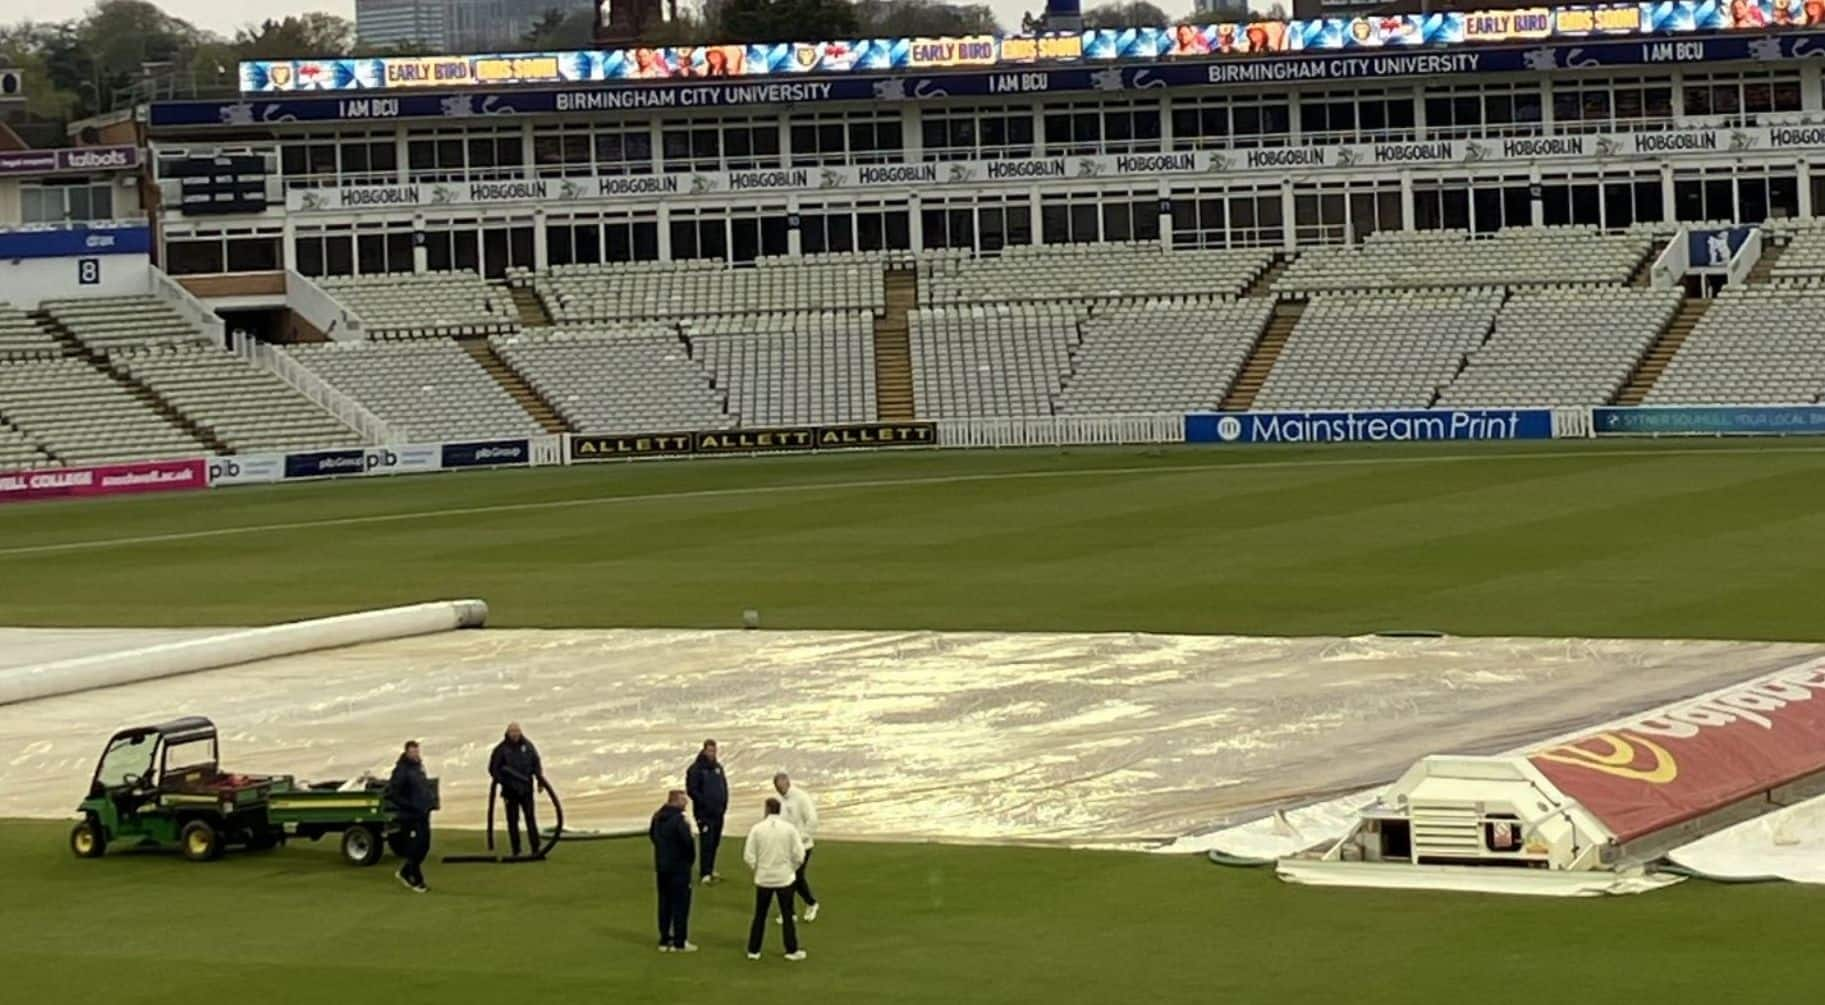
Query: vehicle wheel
x=362, y=846
x=200, y=841
x=86, y=840
x=263, y=841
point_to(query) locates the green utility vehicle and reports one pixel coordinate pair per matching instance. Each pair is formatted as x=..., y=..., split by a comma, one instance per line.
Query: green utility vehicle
x=162, y=786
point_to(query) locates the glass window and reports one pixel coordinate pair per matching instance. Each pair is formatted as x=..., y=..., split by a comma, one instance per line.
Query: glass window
x=131, y=757
x=587, y=243
x=193, y=257
x=646, y=241
x=371, y=253
x=559, y=245
x=618, y=243
x=292, y=159
x=307, y=255
x=339, y=255
x=253, y=254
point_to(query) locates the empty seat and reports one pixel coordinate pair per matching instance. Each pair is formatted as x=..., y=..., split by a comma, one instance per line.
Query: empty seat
x=78, y=414
x=429, y=305
x=1754, y=345
x=247, y=408
x=426, y=389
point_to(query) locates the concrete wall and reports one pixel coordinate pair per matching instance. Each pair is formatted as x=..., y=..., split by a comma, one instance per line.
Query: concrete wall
x=26, y=282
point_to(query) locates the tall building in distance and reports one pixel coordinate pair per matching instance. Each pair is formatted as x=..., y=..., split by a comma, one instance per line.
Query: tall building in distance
x=411, y=24
x=624, y=21
x=455, y=25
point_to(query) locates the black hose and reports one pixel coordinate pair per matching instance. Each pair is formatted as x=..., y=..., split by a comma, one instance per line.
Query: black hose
x=557, y=833
x=538, y=853
x=494, y=787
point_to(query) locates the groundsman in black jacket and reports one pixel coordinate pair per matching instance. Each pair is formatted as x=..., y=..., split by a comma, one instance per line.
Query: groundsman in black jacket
x=515, y=767
x=411, y=799
x=708, y=788
x=673, y=852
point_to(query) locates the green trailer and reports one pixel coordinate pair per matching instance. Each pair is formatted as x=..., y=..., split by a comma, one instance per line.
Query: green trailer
x=162, y=786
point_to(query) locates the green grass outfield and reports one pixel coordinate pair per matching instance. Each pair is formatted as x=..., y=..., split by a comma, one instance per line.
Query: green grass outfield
x=901, y=923
x=1721, y=540
x=1640, y=539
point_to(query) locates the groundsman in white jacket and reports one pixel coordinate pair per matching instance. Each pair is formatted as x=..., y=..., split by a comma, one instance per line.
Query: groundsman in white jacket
x=774, y=852
x=798, y=809
x=801, y=813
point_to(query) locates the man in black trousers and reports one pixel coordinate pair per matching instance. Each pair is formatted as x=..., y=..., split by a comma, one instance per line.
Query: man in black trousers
x=410, y=796
x=709, y=792
x=515, y=767
x=673, y=852
x=774, y=852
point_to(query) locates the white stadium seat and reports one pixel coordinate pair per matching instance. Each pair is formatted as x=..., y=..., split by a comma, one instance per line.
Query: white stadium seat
x=433, y=305
x=1756, y=345
x=1394, y=350
x=246, y=407
x=426, y=389
x=81, y=415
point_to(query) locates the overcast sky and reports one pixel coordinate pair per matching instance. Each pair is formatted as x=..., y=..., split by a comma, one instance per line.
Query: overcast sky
x=225, y=17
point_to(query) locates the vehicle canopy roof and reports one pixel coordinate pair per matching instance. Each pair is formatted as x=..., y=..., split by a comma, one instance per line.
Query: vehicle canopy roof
x=180, y=730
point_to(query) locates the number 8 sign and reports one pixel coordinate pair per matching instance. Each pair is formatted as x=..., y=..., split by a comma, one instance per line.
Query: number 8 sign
x=88, y=272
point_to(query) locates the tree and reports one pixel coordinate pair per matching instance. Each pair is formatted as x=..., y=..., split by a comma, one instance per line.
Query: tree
x=785, y=20
x=1222, y=11
x=558, y=30
x=683, y=30
x=1126, y=15
x=215, y=66
x=915, y=18
x=79, y=68
x=115, y=46
x=22, y=48
x=312, y=34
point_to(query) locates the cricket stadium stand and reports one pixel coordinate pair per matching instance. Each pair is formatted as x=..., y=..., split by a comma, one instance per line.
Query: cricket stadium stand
x=1624, y=211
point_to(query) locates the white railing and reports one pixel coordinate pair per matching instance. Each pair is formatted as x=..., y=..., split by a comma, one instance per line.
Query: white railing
x=352, y=413
x=1669, y=270
x=327, y=314
x=185, y=303
x=1063, y=430
x=1743, y=262
x=548, y=451
x=1572, y=423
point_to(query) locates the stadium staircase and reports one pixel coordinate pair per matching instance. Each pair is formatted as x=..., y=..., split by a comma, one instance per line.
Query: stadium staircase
x=1654, y=361
x=1763, y=271
x=893, y=374
x=1644, y=273
x=530, y=308
x=1263, y=284
x=299, y=330
x=74, y=347
x=516, y=387
x=1261, y=359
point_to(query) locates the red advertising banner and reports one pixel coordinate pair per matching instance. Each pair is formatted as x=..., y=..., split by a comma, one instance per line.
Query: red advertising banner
x=1684, y=761
x=107, y=480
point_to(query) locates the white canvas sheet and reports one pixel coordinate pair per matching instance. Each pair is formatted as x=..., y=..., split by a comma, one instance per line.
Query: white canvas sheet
x=1109, y=740
x=1788, y=844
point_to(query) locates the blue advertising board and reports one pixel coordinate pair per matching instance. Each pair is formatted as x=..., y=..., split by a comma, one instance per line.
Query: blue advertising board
x=1409, y=426
x=488, y=453
x=325, y=463
x=74, y=241
x=1709, y=420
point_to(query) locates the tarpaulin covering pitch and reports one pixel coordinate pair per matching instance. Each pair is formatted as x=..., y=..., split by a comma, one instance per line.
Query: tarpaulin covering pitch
x=1787, y=844
x=969, y=737
x=1683, y=762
